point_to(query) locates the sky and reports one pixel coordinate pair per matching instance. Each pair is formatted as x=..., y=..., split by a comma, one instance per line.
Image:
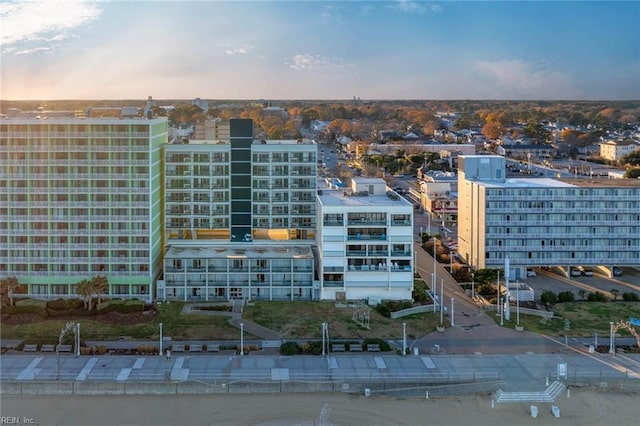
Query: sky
x=542, y=50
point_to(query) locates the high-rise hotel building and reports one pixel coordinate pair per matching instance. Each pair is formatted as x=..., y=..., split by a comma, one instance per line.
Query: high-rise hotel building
x=81, y=198
x=240, y=218
x=545, y=222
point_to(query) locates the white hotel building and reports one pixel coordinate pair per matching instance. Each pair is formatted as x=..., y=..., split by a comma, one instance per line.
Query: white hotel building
x=365, y=242
x=545, y=222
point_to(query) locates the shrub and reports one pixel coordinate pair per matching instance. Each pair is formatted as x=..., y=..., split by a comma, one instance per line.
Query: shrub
x=65, y=304
x=145, y=349
x=548, y=298
x=311, y=348
x=31, y=302
x=630, y=297
x=383, y=310
x=122, y=306
x=566, y=296
x=596, y=297
x=28, y=309
x=289, y=348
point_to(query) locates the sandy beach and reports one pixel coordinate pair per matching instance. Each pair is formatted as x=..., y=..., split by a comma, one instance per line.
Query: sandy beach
x=582, y=407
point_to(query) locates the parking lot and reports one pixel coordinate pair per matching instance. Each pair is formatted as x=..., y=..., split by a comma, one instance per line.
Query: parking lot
x=554, y=279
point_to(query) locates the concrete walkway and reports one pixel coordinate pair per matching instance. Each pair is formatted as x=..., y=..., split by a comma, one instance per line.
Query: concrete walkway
x=249, y=326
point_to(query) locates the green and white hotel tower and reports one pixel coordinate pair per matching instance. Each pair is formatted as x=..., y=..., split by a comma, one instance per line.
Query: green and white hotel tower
x=79, y=198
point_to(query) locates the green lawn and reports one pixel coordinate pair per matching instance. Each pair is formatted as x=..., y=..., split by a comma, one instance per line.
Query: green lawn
x=176, y=325
x=585, y=318
x=304, y=319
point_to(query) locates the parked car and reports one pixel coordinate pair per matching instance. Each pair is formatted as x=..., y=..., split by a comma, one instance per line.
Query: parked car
x=531, y=272
x=399, y=190
x=587, y=272
x=576, y=271
x=617, y=272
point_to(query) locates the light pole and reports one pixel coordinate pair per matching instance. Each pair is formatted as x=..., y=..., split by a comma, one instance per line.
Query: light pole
x=78, y=339
x=324, y=343
x=160, y=346
x=452, y=320
x=404, y=338
x=442, y=297
x=433, y=292
x=473, y=288
x=241, y=339
x=612, y=349
x=518, y=304
x=435, y=275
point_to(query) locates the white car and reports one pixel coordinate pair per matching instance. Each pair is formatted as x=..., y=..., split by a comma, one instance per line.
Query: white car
x=531, y=272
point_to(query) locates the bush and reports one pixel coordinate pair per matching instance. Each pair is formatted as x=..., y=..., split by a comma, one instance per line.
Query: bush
x=65, y=304
x=31, y=302
x=383, y=310
x=289, y=348
x=420, y=294
x=311, y=348
x=630, y=297
x=28, y=309
x=597, y=297
x=71, y=312
x=121, y=306
x=566, y=296
x=146, y=350
x=548, y=298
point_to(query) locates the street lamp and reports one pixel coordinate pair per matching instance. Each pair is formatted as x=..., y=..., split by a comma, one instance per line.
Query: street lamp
x=612, y=343
x=473, y=286
x=452, y=320
x=241, y=339
x=160, y=351
x=404, y=338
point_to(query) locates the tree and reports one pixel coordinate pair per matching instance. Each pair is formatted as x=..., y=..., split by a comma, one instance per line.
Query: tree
x=100, y=286
x=492, y=130
x=631, y=159
x=632, y=173
x=83, y=289
x=582, y=293
x=9, y=286
x=537, y=132
x=87, y=289
x=615, y=293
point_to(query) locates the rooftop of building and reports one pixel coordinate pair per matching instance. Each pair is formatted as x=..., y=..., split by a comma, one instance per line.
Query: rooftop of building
x=180, y=141
x=562, y=182
x=239, y=251
x=347, y=198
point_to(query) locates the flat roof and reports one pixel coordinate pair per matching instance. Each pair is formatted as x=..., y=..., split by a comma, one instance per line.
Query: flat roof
x=562, y=183
x=237, y=251
x=337, y=197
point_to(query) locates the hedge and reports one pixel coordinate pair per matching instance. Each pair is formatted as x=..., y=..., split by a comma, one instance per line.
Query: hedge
x=65, y=304
x=31, y=302
x=28, y=309
x=121, y=306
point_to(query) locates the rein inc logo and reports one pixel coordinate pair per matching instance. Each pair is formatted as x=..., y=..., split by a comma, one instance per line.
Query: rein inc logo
x=16, y=420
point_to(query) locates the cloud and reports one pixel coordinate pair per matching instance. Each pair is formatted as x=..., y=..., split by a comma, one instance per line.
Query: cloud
x=309, y=62
x=43, y=21
x=238, y=50
x=526, y=79
x=420, y=8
